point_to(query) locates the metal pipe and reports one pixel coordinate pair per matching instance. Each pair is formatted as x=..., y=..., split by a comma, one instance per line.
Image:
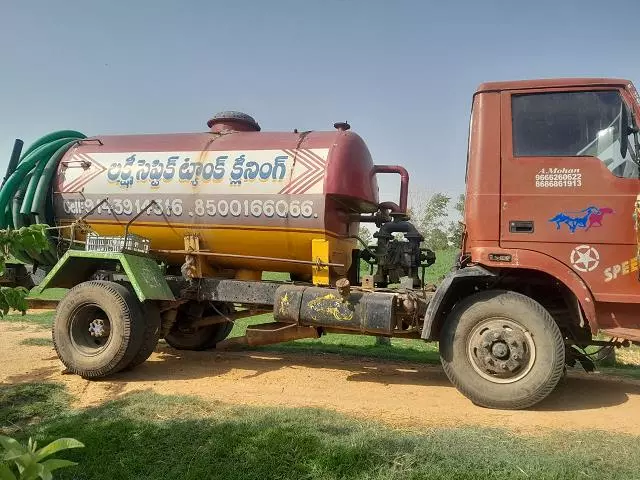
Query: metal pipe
x=363, y=218
x=270, y=333
x=144, y=210
x=408, y=228
x=404, y=184
x=85, y=140
x=97, y=205
x=207, y=253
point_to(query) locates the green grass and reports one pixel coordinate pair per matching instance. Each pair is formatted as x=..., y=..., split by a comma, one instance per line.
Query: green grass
x=150, y=436
x=276, y=276
x=445, y=259
x=623, y=369
x=23, y=404
x=50, y=294
x=344, y=344
x=37, y=342
x=44, y=319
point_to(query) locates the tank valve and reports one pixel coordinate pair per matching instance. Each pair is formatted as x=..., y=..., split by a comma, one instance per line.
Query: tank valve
x=342, y=126
x=344, y=288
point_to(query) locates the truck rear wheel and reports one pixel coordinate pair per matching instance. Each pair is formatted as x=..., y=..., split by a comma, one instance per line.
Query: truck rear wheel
x=152, y=329
x=98, y=329
x=502, y=350
x=183, y=336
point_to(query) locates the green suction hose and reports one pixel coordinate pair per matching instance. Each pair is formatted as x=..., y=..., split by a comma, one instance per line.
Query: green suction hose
x=43, y=187
x=27, y=186
x=50, y=137
x=18, y=218
x=41, y=161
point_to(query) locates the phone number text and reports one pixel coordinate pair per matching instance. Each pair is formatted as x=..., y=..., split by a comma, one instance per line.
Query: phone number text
x=556, y=180
x=200, y=208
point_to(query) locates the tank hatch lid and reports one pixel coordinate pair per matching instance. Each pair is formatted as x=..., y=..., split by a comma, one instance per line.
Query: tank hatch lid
x=234, y=121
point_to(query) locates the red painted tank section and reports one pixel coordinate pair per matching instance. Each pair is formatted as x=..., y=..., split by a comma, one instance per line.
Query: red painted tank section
x=349, y=171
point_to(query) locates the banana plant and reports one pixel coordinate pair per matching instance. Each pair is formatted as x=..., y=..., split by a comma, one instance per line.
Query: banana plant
x=30, y=461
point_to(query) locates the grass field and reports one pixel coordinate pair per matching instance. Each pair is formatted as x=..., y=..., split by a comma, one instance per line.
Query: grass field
x=150, y=436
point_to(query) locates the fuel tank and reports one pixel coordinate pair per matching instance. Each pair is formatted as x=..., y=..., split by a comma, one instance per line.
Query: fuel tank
x=243, y=191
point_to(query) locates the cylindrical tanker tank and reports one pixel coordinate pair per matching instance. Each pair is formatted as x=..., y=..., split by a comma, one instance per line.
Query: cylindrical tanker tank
x=243, y=191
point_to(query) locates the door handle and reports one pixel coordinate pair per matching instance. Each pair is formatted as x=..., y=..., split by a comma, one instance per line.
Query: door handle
x=521, y=226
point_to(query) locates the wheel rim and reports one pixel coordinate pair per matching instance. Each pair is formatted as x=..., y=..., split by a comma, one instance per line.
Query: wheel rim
x=501, y=350
x=89, y=329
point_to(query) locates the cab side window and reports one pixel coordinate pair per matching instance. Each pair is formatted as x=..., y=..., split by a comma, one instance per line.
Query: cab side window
x=572, y=124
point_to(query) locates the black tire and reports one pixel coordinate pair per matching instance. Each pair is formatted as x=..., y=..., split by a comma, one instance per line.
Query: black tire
x=203, y=338
x=535, y=350
x=81, y=307
x=152, y=329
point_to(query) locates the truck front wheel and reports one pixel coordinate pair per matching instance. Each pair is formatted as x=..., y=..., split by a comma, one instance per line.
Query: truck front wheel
x=98, y=329
x=502, y=350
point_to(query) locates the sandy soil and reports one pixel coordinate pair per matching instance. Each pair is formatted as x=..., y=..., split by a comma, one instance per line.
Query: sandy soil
x=403, y=395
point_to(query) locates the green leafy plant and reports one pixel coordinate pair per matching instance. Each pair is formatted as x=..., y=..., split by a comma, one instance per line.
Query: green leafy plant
x=29, y=461
x=33, y=238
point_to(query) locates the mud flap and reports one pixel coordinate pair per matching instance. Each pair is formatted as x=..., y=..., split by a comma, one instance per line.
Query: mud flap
x=76, y=266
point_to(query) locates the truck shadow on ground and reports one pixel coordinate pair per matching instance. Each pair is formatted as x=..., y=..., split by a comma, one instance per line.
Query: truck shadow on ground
x=580, y=391
x=576, y=392
x=188, y=365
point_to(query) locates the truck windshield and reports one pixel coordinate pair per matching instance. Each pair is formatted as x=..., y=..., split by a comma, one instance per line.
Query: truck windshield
x=606, y=146
x=572, y=124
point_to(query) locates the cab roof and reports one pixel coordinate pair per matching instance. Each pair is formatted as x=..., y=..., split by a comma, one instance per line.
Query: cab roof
x=552, y=83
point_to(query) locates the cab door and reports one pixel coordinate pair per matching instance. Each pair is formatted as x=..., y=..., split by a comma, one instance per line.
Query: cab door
x=569, y=184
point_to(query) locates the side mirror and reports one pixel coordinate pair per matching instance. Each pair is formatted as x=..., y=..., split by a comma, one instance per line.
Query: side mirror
x=623, y=130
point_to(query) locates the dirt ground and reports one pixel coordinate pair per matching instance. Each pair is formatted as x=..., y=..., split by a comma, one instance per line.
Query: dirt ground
x=400, y=394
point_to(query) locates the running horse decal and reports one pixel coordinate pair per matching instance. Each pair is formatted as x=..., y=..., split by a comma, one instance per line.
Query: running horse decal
x=584, y=219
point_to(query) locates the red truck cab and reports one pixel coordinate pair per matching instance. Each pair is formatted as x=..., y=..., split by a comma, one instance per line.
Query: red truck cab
x=549, y=190
x=551, y=195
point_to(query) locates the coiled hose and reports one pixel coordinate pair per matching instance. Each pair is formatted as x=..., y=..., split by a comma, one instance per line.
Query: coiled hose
x=26, y=191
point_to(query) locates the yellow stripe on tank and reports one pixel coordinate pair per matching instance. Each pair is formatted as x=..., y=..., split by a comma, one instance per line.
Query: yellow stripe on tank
x=275, y=242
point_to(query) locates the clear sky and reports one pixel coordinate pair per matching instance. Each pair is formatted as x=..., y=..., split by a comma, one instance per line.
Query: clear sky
x=402, y=73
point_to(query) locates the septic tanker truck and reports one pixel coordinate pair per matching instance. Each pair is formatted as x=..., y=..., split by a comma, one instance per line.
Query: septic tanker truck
x=167, y=236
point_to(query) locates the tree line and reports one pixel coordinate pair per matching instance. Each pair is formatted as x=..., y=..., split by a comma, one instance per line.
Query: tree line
x=432, y=217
